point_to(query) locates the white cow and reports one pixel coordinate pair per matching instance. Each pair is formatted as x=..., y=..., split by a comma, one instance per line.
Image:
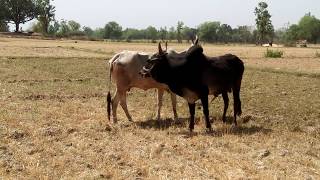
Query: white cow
x=124, y=70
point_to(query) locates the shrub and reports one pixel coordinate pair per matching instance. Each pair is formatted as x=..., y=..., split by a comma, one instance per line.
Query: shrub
x=273, y=53
x=317, y=54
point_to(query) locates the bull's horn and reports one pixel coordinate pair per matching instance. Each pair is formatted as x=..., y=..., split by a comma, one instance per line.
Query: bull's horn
x=145, y=69
x=166, y=45
x=196, y=41
x=160, y=48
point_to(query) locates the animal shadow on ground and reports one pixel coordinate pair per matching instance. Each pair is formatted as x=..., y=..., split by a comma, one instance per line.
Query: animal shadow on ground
x=163, y=124
x=219, y=128
x=224, y=130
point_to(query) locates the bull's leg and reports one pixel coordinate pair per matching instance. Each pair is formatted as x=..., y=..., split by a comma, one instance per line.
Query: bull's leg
x=160, y=98
x=192, y=109
x=174, y=105
x=123, y=103
x=226, y=105
x=204, y=101
x=115, y=102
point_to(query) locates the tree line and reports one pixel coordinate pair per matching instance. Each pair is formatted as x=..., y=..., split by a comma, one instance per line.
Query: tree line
x=19, y=12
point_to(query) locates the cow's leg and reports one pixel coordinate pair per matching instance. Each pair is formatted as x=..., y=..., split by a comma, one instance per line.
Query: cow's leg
x=115, y=102
x=192, y=109
x=123, y=103
x=204, y=101
x=174, y=105
x=160, y=98
x=226, y=105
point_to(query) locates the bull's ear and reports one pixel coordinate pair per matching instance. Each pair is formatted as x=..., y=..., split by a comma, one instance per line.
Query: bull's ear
x=160, y=48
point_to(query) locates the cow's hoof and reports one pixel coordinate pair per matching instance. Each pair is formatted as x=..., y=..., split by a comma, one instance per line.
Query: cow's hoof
x=209, y=130
x=233, y=126
x=115, y=121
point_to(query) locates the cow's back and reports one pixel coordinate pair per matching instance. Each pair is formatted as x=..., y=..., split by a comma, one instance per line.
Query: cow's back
x=224, y=72
x=126, y=68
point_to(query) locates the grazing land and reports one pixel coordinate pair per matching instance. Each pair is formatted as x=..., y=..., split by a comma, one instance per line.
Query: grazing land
x=53, y=121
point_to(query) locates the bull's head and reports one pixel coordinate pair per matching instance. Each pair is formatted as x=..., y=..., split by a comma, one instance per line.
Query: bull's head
x=153, y=61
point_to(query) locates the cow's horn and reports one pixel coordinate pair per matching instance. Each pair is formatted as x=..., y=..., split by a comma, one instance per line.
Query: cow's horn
x=166, y=45
x=146, y=70
x=160, y=48
x=196, y=41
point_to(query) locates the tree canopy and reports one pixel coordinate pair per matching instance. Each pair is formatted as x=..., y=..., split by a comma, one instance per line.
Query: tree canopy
x=112, y=30
x=264, y=25
x=17, y=11
x=46, y=14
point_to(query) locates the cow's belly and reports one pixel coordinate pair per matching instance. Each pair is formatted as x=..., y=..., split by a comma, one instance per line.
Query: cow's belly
x=148, y=83
x=214, y=91
x=189, y=95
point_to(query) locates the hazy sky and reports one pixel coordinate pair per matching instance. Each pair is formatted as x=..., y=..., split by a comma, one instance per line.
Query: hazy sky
x=142, y=13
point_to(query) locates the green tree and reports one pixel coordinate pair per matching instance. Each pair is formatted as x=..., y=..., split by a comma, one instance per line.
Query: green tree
x=179, y=30
x=46, y=13
x=242, y=34
x=74, y=26
x=151, y=33
x=54, y=28
x=64, y=28
x=188, y=33
x=88, y=31
x=263, y=22
x=224, y=33
x=131, y=33
x=172, y=33
x=98, y=33
x=208, y=31
x=112, y=30
x=163, y=33
x=292, y=34
x=18, y=11
x=309, y=27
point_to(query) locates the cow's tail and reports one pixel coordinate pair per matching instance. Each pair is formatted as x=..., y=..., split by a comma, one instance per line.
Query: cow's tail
x=109, y=100
x=238, y=84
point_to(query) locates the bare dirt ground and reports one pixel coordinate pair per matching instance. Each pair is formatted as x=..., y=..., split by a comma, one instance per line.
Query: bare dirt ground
x=53, y=121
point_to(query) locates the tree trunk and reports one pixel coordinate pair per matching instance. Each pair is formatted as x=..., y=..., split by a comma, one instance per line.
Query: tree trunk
x=17, y=26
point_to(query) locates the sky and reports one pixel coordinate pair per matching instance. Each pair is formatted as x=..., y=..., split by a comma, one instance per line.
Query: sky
x=143, y=13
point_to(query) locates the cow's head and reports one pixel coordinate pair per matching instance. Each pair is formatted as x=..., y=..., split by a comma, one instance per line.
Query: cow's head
x=155, y=63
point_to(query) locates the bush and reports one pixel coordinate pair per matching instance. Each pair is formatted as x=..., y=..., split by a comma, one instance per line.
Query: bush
x=273, y=53
x=317, y=54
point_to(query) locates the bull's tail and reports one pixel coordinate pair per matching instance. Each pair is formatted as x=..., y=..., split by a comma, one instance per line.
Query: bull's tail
x=109, y=104
x=239, y=110
x=109, y=100
x=238, y=85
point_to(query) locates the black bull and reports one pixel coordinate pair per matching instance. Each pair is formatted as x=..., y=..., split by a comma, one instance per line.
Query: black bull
x=198, y=77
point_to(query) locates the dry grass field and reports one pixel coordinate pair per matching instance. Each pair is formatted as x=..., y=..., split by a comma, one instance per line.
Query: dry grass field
x=53, y=121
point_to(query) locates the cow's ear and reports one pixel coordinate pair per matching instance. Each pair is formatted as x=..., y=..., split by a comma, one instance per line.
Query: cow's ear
x=160, y=49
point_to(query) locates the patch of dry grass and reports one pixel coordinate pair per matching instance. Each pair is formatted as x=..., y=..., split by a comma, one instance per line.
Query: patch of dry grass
x=53, y=124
